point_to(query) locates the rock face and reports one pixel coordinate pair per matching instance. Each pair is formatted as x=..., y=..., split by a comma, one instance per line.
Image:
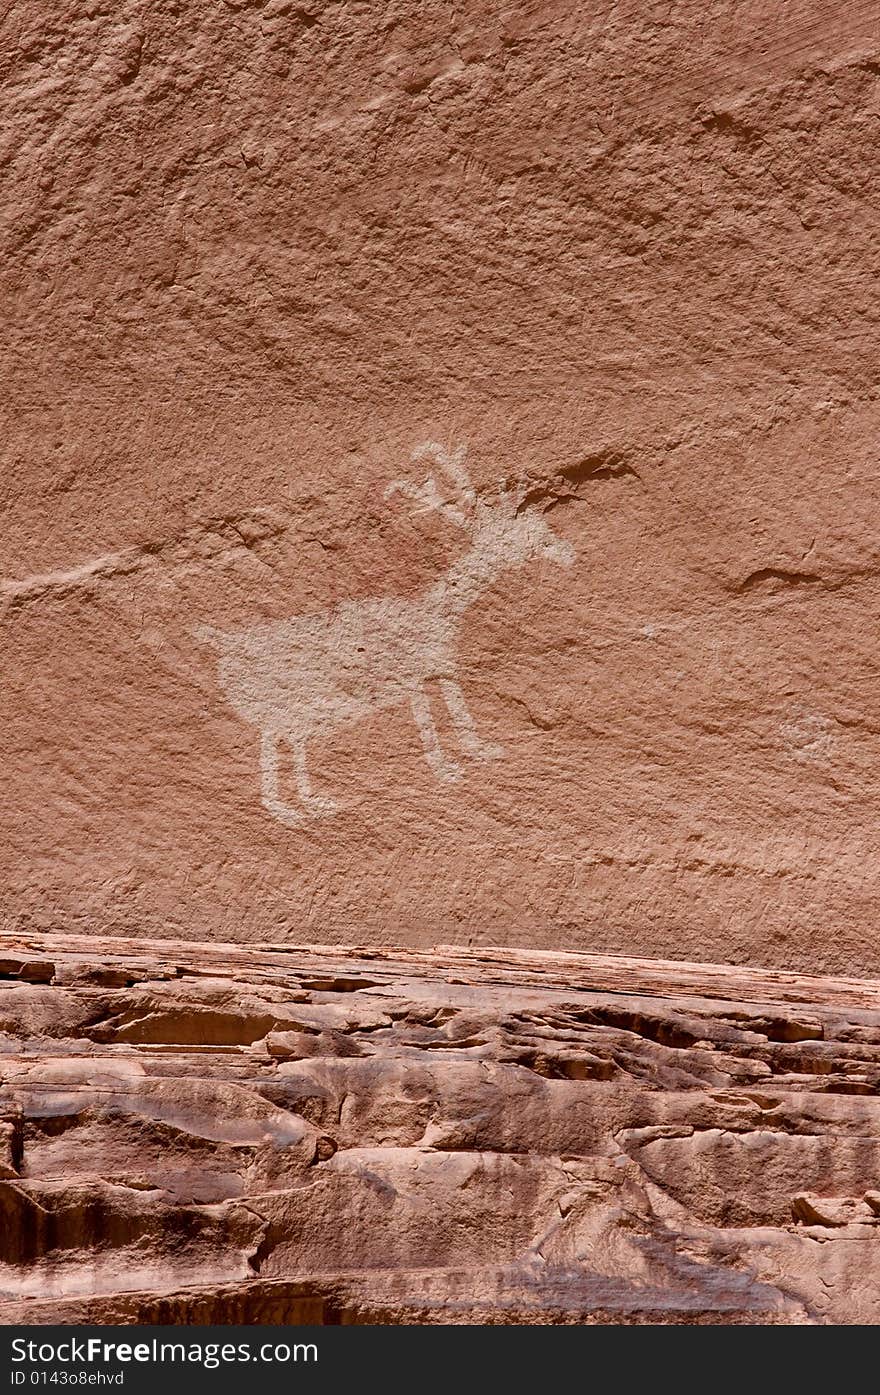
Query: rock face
x=204, y=1133
x=614, y=689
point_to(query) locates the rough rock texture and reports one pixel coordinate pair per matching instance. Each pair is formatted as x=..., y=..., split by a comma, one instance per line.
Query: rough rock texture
x=205, y=1133
x=255, y=253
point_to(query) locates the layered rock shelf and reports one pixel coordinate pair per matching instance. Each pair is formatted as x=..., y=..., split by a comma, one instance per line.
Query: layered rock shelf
x=208, y=1132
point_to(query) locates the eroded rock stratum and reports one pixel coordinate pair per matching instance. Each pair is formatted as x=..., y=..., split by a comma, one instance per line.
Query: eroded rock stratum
x=271, y=669
x=206, y=1133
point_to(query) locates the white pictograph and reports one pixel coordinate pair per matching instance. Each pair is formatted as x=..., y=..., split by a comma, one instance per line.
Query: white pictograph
x=292, y=679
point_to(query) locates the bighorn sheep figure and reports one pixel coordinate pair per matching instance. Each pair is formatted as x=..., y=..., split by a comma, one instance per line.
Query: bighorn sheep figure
x=292, y=679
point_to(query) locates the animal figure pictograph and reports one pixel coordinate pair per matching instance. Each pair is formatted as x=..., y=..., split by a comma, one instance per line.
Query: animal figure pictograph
x=294, y=679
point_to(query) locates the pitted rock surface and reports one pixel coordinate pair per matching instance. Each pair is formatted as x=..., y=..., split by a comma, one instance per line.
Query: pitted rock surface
x=255, y=255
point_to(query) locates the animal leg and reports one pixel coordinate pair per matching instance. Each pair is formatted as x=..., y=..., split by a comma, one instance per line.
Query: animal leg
x=444, y=768
x=468, y=738
x=272, y=800
x=319, y=803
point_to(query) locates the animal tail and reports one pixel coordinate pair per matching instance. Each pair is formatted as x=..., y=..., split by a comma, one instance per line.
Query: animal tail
x=207, y=634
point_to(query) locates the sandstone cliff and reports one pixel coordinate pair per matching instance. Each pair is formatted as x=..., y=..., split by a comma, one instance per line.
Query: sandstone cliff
x=255, y=254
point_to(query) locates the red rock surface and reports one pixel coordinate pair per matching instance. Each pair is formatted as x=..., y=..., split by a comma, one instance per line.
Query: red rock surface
x=253, y=254
x=211, y=1133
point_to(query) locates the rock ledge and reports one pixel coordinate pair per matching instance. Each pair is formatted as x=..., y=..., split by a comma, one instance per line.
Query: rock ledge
x=198, y=1133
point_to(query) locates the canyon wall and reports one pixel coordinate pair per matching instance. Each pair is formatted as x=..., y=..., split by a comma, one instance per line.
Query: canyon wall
x=439, y=461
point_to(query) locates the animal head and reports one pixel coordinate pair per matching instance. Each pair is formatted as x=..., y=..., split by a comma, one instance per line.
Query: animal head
x=503, y=524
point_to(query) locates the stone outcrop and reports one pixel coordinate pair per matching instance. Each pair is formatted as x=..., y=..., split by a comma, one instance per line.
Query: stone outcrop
x=209, y=1133
x=254, y=254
